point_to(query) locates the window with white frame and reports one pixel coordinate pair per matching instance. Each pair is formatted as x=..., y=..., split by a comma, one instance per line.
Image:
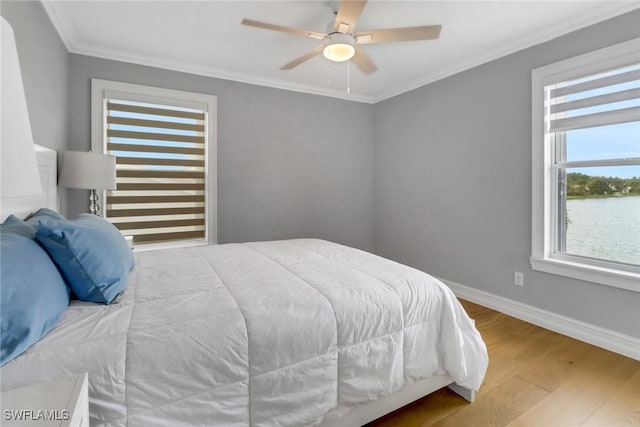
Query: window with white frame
x=165, y=148
x=586, y=167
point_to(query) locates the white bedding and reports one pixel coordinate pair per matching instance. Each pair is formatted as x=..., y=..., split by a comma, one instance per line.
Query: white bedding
x=292, y=332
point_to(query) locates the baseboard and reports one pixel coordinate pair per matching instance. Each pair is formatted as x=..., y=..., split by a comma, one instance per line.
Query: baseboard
x=601, y=337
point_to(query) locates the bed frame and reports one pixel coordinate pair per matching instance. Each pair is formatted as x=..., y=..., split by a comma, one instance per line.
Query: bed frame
x=22, y=206
x=371, y=411
x=358, y=416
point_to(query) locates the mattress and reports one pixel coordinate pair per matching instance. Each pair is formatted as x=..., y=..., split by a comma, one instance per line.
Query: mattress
x=293, y=332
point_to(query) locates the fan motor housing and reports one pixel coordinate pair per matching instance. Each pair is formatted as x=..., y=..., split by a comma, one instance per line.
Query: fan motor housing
x=342, y=38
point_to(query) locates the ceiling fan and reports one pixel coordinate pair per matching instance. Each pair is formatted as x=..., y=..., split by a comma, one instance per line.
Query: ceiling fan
x=342, y=43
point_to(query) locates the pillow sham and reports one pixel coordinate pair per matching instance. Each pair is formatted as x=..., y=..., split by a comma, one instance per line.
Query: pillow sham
x=43, y=213
x=92, y=255
x=29, y=226
x=33, y=295
x=14, y=224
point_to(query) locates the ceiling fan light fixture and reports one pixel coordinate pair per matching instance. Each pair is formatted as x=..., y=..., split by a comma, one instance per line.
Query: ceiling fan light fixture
x=340, y=41
x=340, y=47
x=339, y=52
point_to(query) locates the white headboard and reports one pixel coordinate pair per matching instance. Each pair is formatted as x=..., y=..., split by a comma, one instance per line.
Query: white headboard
x=22, y=206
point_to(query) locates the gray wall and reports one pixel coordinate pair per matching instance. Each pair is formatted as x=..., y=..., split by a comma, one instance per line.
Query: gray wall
x=289, y=164
x=453, y=182
x=452, y=167
x=44, y=63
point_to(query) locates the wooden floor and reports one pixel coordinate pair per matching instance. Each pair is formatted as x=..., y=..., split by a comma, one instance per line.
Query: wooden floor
x=535, y=378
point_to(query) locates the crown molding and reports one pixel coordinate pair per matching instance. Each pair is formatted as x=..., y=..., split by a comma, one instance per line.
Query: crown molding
x=516, y=45
x=61, y=22
x=58, y=16
x=150, y=61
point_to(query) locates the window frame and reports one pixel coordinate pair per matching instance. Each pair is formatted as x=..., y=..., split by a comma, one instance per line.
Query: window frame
x=103, y=89
x=545, y=188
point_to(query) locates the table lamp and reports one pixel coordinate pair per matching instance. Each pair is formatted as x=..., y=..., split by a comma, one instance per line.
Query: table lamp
x=89, y=171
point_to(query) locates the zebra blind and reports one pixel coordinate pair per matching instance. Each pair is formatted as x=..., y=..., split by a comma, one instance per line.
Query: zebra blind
x=605, y=99
x=161, y=166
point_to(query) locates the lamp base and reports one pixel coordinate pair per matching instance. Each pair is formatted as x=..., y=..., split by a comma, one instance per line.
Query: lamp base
x=94, y=206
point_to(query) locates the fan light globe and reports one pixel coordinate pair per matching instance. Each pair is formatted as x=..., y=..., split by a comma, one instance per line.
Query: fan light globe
x=339, y=52
x=340, y=47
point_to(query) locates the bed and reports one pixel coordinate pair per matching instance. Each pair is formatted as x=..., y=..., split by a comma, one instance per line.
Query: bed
x=293, y=332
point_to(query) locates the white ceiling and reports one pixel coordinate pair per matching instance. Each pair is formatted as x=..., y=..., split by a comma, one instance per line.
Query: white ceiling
x=205, y=37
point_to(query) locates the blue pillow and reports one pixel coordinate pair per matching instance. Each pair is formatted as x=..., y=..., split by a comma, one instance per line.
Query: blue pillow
x=92, y=255
x=43, y=213
x=33, y=294
x=16, y=225
x=29, y=226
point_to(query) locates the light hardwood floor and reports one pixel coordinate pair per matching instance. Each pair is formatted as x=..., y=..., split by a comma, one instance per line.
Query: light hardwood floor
x=535, y=378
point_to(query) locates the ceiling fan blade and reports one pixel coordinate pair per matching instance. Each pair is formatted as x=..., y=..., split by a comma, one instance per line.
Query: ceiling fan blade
x=363, y=61
x=348, y=14
x=290, y=30
x=425, y=32
x=303, y=58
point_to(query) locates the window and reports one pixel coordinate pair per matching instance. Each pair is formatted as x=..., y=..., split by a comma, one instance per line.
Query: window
x=586, y=167
x=165, y=148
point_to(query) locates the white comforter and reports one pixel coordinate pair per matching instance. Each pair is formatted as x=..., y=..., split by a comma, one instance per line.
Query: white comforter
x=289, y=332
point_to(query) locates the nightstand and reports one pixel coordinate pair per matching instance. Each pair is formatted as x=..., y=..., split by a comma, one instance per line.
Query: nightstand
x=60, y=403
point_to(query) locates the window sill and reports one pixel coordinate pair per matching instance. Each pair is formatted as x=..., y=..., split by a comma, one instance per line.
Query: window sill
x=604, y=276
x=171, y=245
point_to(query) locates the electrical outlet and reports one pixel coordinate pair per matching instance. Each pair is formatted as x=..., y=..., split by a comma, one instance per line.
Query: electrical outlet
x=518, y=279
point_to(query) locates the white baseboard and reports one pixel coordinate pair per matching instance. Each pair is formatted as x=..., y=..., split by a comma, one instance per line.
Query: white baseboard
x=614, y=341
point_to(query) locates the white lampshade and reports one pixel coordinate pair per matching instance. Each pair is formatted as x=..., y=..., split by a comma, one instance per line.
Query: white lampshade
x=19, y=175
x=88, y=170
